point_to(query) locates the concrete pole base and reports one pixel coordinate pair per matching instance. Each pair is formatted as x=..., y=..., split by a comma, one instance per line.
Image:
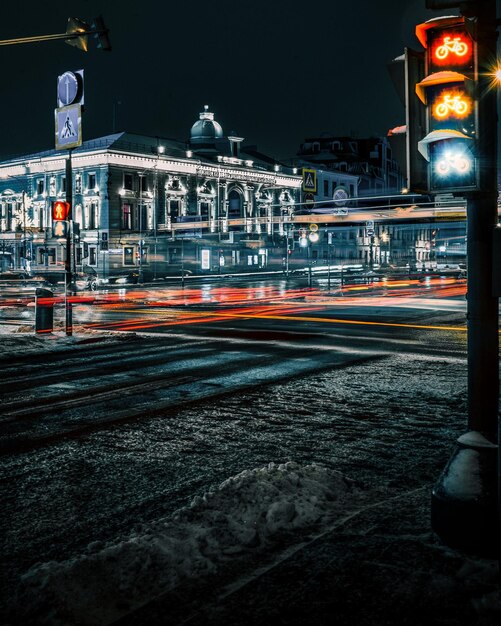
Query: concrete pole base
x=464, y=510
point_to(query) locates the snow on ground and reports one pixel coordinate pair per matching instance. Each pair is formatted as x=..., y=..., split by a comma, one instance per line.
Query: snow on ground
x=252, y=513
x=21, y=339
x=246, y=514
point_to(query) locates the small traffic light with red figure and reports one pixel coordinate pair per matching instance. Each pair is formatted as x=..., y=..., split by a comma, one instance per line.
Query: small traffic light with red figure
x=60, y=211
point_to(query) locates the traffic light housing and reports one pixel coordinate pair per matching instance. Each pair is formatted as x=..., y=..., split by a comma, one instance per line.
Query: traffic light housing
x=77, y=26
x=75, y=231
x=448, y=92
x=101, y=32
x=60, y=210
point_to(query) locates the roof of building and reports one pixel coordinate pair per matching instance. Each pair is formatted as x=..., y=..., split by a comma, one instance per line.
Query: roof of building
x=207, y=143
x=127, y=142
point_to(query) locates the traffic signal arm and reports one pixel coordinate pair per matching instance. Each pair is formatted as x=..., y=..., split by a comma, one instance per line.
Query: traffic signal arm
x=76, y=35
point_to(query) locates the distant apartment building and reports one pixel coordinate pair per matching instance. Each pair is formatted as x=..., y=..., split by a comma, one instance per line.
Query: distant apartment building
x=370, y=160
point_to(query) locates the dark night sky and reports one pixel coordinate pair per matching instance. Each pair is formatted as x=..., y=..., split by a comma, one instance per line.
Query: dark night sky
x=273, y=71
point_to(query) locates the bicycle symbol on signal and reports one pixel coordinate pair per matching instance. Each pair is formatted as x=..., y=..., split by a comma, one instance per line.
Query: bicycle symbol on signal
x=451, y=104
x=455, y=162
x=454, y=46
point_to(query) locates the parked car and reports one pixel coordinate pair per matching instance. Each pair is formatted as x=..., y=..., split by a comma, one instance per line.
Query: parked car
x=89, y=279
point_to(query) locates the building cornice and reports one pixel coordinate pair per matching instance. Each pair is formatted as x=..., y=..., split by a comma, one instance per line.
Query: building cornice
x=160, y=163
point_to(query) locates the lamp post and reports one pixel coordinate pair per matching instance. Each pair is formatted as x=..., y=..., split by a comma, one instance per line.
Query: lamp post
x=313, y=237
x=385, y=238
x=140, y=277
x=287, y=233
x=329, y=260
x=160, y=152
x=182, y=263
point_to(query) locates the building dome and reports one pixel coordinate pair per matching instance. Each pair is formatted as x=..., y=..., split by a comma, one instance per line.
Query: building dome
x=206, y=129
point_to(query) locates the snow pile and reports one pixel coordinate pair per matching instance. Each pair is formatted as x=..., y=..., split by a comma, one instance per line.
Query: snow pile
x=246, y=513
x=22, y=339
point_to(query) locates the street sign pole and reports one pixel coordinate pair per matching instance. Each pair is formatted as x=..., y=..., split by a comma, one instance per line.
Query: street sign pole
x=287, y=252
x=465, y=500
x=68, y=135
x=329, y=254
x=68, y=264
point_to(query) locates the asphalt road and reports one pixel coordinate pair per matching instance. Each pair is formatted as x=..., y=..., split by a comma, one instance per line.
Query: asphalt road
x=204, y=343
x=104, y=436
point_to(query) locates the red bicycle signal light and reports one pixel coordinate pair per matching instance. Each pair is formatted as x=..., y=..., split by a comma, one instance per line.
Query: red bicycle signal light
x=60, y=211
x=451, y=49
x=448, y=91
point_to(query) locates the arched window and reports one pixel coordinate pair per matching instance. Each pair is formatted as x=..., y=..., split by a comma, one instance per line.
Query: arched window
x=234, y=204
x=78, y=216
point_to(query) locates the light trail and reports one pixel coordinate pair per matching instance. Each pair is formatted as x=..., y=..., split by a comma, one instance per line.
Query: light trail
x=148, y=310
x=249, y=314
x=340, y=321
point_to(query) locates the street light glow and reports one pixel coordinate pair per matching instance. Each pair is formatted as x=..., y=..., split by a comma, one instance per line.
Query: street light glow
x=495, y=75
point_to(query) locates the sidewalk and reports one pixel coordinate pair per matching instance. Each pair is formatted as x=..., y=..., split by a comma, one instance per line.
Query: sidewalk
x=381, y=566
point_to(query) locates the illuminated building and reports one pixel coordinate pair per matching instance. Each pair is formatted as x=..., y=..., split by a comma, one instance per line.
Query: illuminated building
x=150, y=207
x=143, y=202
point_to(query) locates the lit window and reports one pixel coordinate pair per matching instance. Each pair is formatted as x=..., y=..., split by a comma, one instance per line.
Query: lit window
x=92, y=255
x=126, y=217
x=129, y=255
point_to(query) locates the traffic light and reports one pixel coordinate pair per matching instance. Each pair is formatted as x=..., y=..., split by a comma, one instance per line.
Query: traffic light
x=101, y=33
x=60, y=211
x=75, y=231
x=76, y=26
x=448, y=92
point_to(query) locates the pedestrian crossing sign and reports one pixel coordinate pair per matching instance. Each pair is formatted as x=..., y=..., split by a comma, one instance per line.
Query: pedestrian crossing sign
x=309, y=180
x=68, y=126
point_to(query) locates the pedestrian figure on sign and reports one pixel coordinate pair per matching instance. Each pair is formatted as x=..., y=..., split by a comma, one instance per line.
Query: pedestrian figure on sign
x=68, y=129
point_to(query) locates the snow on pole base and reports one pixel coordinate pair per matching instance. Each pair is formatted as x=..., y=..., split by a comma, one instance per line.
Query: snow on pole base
x=464, y=511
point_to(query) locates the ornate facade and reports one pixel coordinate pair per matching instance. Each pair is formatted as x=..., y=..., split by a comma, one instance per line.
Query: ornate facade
x=150, y=205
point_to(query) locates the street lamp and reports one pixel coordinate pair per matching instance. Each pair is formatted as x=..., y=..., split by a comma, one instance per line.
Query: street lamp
x=140, y=224
x=182, y=263
x=385, y=238
x=287, y=250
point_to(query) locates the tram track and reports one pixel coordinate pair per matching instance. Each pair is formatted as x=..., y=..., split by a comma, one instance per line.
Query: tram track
x=142, y=384
x=35, y=422
x=69, y=393
x=118, y=362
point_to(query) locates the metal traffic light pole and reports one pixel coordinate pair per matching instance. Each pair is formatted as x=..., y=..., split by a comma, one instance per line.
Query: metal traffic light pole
x=465, y=500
